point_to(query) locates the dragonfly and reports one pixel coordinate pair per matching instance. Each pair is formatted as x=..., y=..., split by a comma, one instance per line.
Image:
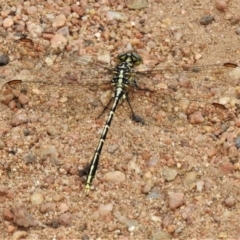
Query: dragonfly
x=155, y=83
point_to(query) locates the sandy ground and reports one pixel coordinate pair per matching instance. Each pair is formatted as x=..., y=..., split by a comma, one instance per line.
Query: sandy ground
x=174, y=177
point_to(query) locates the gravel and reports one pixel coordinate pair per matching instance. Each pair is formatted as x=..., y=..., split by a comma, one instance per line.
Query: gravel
x=172, y=175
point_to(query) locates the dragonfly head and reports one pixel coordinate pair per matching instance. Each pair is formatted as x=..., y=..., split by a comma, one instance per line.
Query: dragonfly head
x=130, y=57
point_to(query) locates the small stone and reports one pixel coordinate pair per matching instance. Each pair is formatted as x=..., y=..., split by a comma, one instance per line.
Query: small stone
x=59, y=21
x=227, y=167
x=169, y=174
x=29, y=158
x=58, y=41
x=237, y=142
x=37, y=198
x=31, y=10
x=167, y=220
x=2, y=145
x=206, y=20
x=104, y=209
x=23, y=99
x=211, y=152
x=196, y=118
x=58, y=198
x=75, y=8
x=233, y=152
x=190, y=179
x=3, y=190
x=124, y=220
x=224, y=100
x=11, y=228
x=22, y=218
x=4, y=59
x=136, y=4
x=148, y=186
x=238, y=31
x=175, y=200
x=115, y=177
x=48, y=207
x=19, y=235
x=63, y=207
x=8, y=22
x=223, y=235
x=221, y=5
x=65, y=219
x=158, y=235
x=112, y=148
x=153, y=161
x=7, y=214
x=34, y=29
x=118, y=16
x=19, y=118
x=200, y=185
x=230, y=201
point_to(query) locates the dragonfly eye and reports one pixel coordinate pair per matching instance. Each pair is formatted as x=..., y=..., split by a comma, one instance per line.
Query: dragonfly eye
x=132, y=57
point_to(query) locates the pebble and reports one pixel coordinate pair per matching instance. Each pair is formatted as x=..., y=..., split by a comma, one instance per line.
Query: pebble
x=227, y=167
x=175, y=200
x=230, y=201
x=11, y=229
x=48, y=207
x=148, y=186
x=136, y=4
x=3, y=190
x=156, y=194
x=64, y=31
x=7, y=214
x=59, y=21
x=104, y=58
x=190, y=179
x=4, y=59
x=153, y=161
x=224, y=100
x=237, y=142
x=112, y=148
x=221, y=5
x=22, y=218
x=35, y=29
x=121, y=17
x=233, y=152
x=169, y=174
x=200, y=185
x=31, y=10
x=58, y=198
x=211, y=151
x=238, y=30
x=104, y=209
x=63, y=207
x=23, y=99
x=37, y=198
x=196, y=118
x=47, y=151
x=206, y=20
x=115, y=177
x=124, y=220
x=58, y=41
x=19, y=118
x=65, y=219
x=80, y=11
x=158, y=235
x=167, y=220
x=8, y=22
x=29, y=158
x=19, y=235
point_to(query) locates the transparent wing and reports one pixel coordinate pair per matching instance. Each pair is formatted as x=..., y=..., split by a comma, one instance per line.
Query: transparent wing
x=68, y=85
